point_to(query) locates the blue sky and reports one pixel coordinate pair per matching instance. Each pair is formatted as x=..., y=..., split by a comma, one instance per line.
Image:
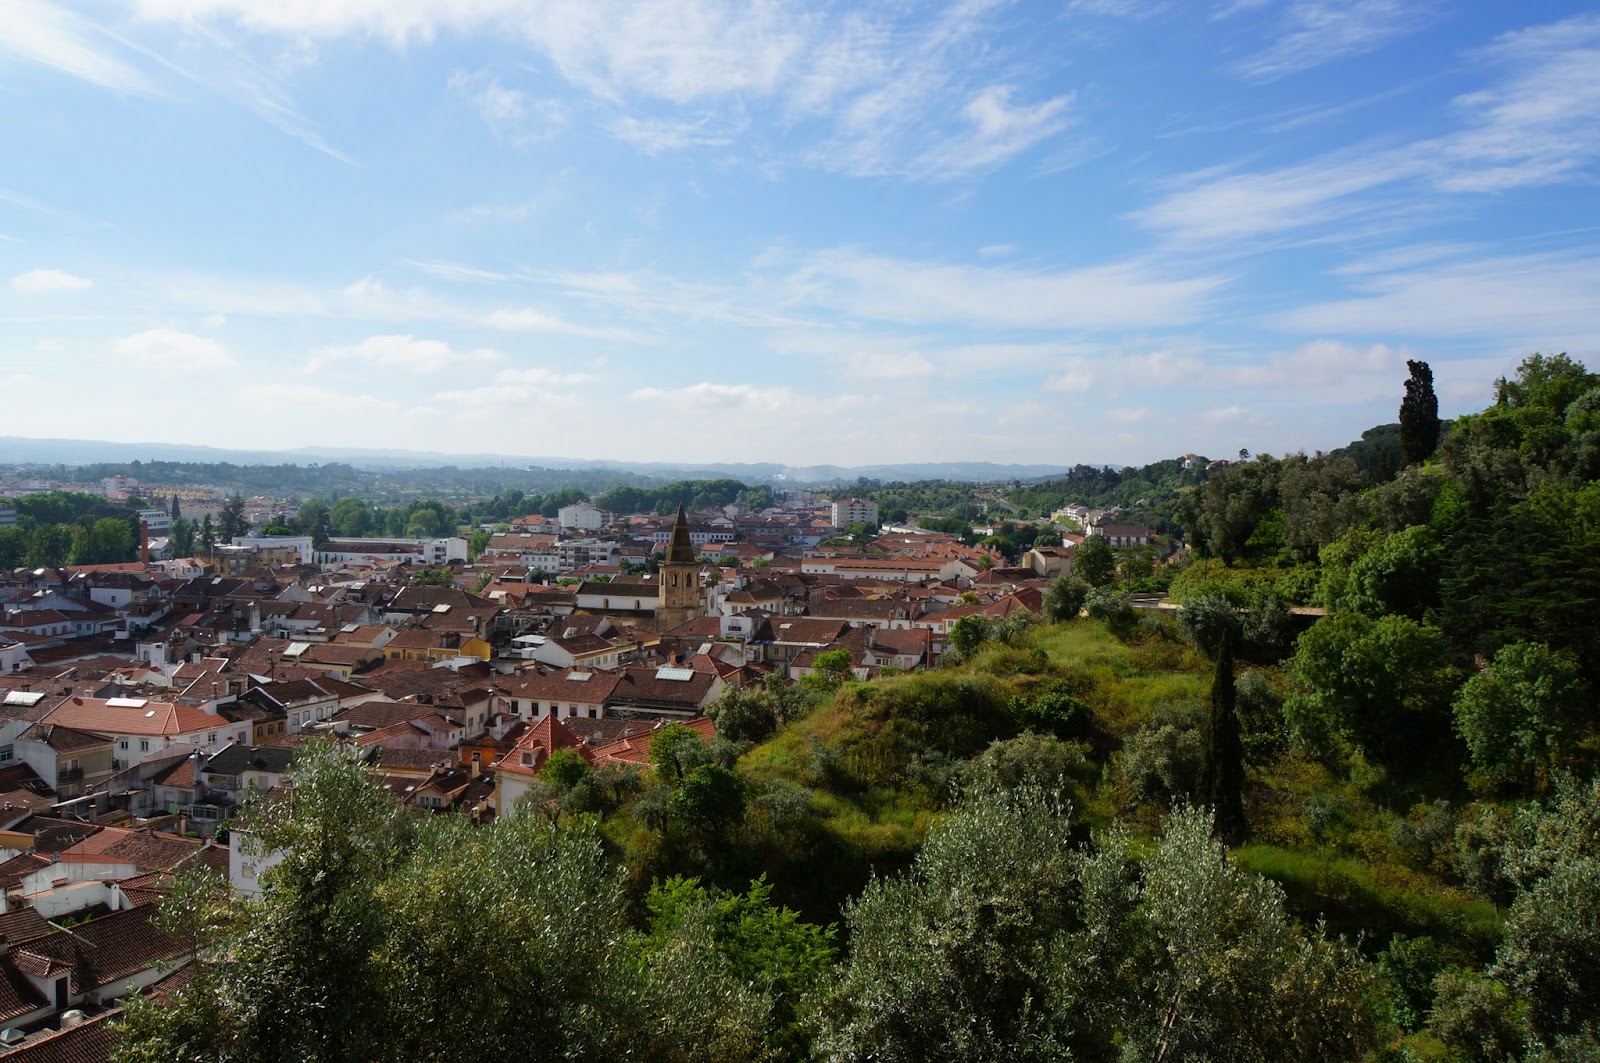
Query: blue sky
x=1102, y=230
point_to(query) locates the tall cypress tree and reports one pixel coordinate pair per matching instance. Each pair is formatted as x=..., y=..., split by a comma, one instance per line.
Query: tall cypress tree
x=1222, y=769
x=1419, y=415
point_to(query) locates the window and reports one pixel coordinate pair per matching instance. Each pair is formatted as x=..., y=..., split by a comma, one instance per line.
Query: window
x=144, y=745
x=527, y=760
x=123, y=744
x=241, y=736
x=211, y=739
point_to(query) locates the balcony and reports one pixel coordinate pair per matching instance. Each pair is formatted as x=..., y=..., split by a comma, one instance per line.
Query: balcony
x=64, y=775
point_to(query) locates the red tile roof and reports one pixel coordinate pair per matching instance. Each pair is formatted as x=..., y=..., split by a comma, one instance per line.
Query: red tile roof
x=131, y=716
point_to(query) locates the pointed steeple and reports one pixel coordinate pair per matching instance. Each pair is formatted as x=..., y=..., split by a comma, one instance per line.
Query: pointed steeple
x=680, y=550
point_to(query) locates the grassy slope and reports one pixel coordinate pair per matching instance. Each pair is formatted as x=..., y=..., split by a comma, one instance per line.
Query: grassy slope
x=878, y=760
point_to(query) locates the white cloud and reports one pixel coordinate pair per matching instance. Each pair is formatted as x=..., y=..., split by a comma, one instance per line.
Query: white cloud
x=532, y=319
x=1541, y=124
x=895, y=94
x=513, y=116
x=1217, y=207
x=1110, y=374
x=46, y=34
x=539, y=376
x=302, y=398
x=1538, y=123
x=1321, y=31
x=1126, y=294
x=1325, y=367
x=404, y=352
x=657, y=136
x=452, y=271
x=1072, y=380
x=1395, y=258
x=711, y=398
x=525, y=387
x=998, y=131
x=49, y=280
x=1536, y=298
x=164, y=348
x=1134, y=9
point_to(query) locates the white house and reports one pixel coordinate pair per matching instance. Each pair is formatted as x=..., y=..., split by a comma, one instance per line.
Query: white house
x=140, y=726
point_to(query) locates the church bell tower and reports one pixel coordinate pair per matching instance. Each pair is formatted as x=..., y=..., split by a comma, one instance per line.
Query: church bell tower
x=681, y=596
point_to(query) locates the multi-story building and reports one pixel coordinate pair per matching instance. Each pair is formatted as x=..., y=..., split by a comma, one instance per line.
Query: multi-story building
x=584, y=516
x=847, y=511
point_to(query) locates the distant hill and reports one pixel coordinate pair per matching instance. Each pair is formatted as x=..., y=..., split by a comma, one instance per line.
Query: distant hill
x=20, y=451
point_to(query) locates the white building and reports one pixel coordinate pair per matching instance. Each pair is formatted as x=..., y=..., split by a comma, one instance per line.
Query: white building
x=301, y=544
x=847, y=511
x=569, y=555
x=583, y=515
x=416, y=551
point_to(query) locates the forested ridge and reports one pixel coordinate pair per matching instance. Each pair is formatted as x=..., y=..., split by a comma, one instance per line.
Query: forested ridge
x=1235, y=833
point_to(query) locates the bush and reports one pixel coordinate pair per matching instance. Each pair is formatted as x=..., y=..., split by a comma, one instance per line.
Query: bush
x=1476, y=1017
x=709, y=799
x=1428, y=836
x=1207, y=620
x=1064, y=598
x=1114, y=609
x=1054, y=712
x=1267, y=628
x=1027, y=760
x=1409, y=965
x=1260, y=712
x=1161, y=763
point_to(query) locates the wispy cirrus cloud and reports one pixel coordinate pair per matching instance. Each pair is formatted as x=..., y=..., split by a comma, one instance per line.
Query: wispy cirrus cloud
x=660, y=136
x=877, y=288
x=1538, y=123
x=1532, y=298
x=999, y=130
x=927, y=98
x=512, y=115
x=1315, y=32
x=44, y=33
x=455, y=271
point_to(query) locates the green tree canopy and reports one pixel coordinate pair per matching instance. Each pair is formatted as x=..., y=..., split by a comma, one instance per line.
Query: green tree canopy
x=1524, y=715
x=1094, y=563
